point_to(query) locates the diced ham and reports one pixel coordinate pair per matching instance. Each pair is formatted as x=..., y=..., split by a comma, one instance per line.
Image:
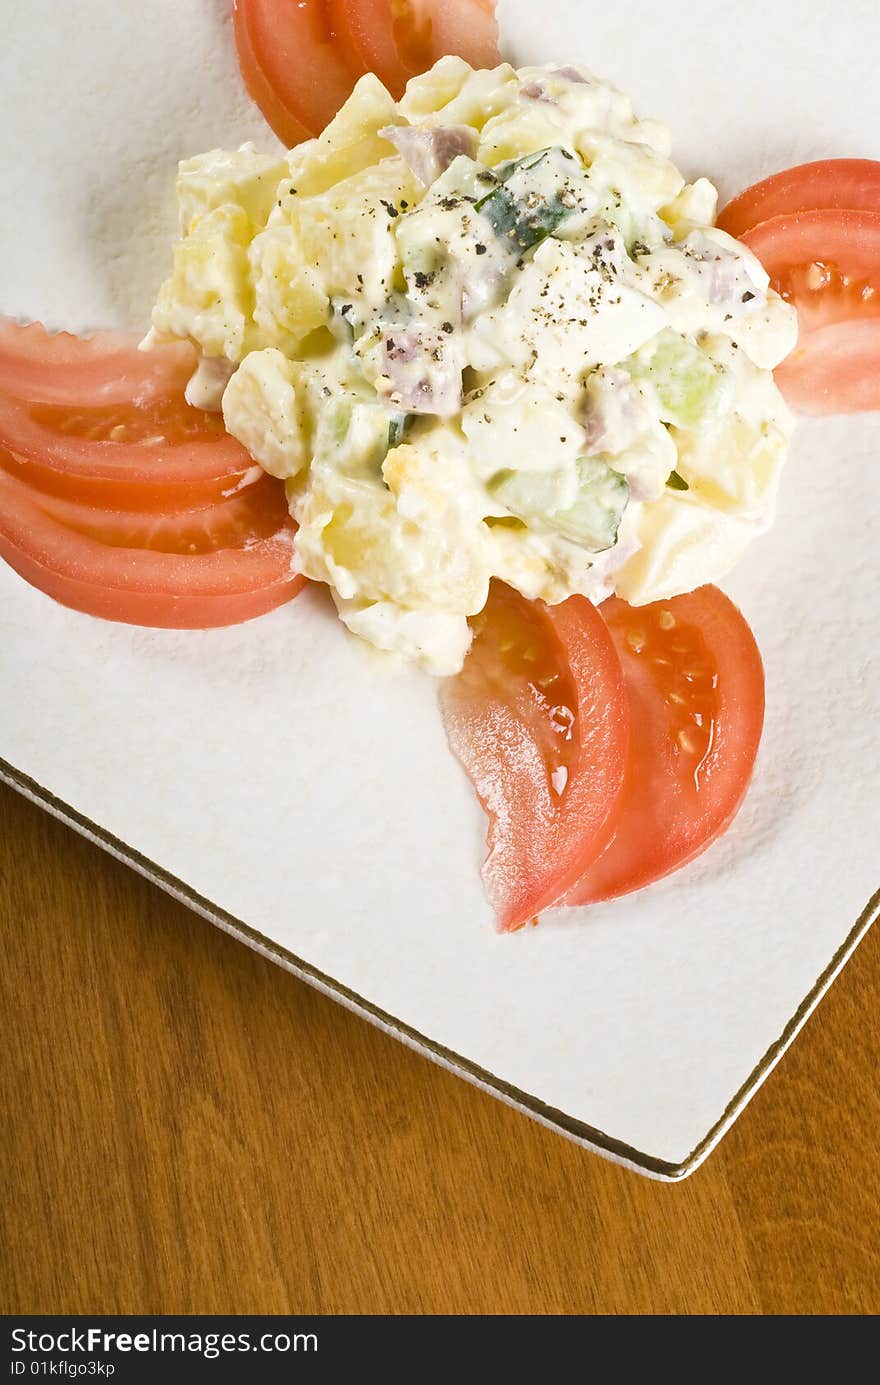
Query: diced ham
x=429, y=150
x=612, y=412
x=421, y=370
x=723, y=273
x=537, y=90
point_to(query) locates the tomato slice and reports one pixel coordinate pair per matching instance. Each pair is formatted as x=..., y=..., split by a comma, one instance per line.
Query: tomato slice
x=822, y=295
x=160, y=455
x=827, y=263
x=696, y=697
x=107, y=368
x=467, y=28
x=257, y=512
x=301, y=58
x=142, y=586
x=842, y=183
x=398, y=38
x=834, y=370
x=538, y=719
x=292, y=65
x=379, y=36
x=847, y=240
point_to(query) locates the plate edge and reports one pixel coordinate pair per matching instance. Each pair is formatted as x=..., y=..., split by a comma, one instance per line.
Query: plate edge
x=589, y=1137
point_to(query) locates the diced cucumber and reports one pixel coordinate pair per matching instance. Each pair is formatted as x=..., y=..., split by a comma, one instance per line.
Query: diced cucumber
x=338, y=414
x=688, y=384
x=396, y=429
x=592, y=521
x=534, y=196
x=357, y=433
x=344, y=320
x=642, y=231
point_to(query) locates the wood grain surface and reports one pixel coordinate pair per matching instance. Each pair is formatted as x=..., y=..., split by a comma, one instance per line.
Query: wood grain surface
x=190, y=1129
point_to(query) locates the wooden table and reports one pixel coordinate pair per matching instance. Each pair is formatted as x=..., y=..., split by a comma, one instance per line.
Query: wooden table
x=193, y=1130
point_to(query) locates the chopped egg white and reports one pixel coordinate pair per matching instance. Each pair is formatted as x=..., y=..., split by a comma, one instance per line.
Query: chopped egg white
x=485, y=331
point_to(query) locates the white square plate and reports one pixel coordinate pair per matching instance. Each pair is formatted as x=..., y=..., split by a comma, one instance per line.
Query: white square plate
x=299, y=793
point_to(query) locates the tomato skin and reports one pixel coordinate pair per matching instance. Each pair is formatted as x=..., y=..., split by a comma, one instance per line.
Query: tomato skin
x=106, y=368
x=201, y=469
x=292, y=66
x=834, y=369
x=538, y=719
x=826, y=183
x=143, y=586
x=685, y=780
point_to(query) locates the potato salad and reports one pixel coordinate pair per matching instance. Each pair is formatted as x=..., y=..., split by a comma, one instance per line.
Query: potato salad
x=485, y=331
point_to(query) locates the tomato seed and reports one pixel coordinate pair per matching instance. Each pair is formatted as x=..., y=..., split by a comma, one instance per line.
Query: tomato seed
x=688, y=741
x=817, y=276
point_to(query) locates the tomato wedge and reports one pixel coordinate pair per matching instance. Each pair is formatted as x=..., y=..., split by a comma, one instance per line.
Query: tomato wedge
x=834, y=370
x=107, y=368
x=538, y=719
x=292, y=65
x=695, y=683
x=142, y=586
x=852, y=184
x=161, y=455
